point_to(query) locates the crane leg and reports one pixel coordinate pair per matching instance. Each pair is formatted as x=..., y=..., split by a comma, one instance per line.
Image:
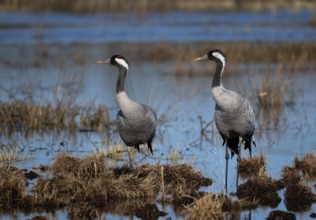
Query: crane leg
x=238, y=160
x=150, y=147
x=130, y=161
x=226, y=174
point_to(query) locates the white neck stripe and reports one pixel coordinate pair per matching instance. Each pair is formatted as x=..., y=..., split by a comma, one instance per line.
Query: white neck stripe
x=220, y=57
x=122, y=62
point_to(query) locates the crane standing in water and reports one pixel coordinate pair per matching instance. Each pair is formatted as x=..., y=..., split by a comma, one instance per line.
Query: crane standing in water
x=234, y=115
x=136, y=122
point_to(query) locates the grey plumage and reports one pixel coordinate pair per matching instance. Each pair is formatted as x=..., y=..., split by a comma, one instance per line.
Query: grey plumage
x=234, y=115
x=136, y=122
x=235, y=120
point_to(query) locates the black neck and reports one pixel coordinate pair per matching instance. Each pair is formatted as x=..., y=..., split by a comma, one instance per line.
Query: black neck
x=121, y=79
x=217, y=79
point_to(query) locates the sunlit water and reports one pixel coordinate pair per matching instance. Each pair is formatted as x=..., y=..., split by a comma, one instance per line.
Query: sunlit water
x=181, y=99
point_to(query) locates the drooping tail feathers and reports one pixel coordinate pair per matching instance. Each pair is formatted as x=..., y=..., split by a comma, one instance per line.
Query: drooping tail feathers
x=233, y=145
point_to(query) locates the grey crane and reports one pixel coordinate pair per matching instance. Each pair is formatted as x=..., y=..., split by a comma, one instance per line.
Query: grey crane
x=136, y=122
x=234, y=114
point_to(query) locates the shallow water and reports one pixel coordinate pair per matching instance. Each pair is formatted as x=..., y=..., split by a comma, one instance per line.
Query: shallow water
x=29, y=28
x=182, y=99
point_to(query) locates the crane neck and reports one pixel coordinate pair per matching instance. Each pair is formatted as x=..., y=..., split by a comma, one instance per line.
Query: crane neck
x=128, y=107
x=217, y=79
x=120, y=87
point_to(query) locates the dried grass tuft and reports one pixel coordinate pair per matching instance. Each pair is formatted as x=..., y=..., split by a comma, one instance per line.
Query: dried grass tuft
x=290, y=176
x=180, y=181
x=254, y=166
x=65, y=164
x=13, y=186
x=307, y=164
x=91, y=180
x=207, y=207
x=10, y=153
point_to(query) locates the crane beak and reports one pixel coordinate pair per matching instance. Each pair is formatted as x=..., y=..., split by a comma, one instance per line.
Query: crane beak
x=205, y=57
x=103, y=61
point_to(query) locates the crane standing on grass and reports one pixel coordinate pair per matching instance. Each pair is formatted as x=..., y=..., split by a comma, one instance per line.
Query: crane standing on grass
x=136, y=122
x=234, y=115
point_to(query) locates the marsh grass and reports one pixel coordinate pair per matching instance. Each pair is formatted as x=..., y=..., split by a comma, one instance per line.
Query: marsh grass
x=307, y=165
x=13, y=187
x=294, y=57
x=254, y=166
x=180, y=181
x=290, y=176
x=30, y=117
x=11, y=153
x=274, y=92
x=27, y=109
x=208, y=207
x=174, y=156
x=85, y=185
x=90, y=179
x=115, y=152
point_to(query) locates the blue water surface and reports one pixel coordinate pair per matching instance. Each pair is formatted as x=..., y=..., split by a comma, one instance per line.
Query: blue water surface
x=29, y=28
